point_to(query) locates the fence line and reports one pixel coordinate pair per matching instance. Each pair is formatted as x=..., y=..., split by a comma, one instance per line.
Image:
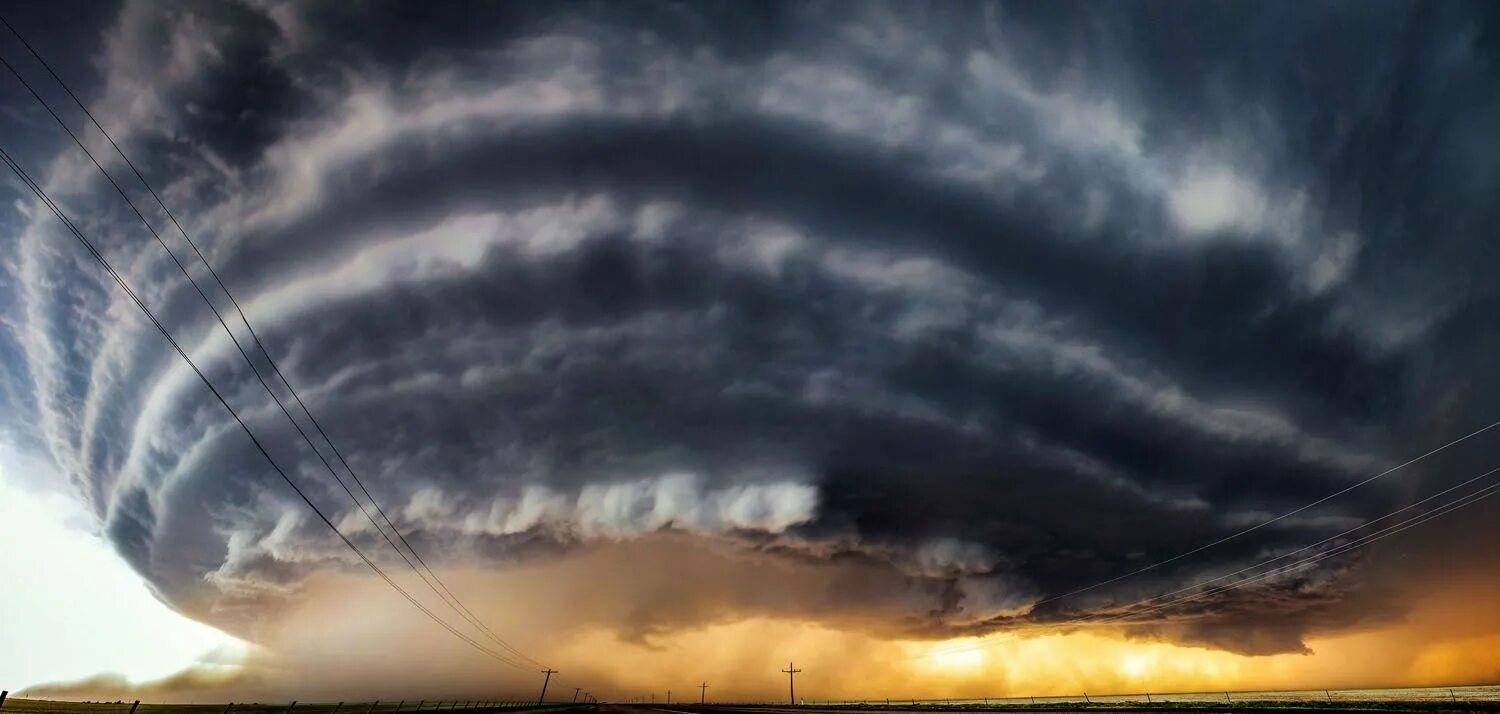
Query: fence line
x=19, y=705
x=1468, y=694
x=1460, y=695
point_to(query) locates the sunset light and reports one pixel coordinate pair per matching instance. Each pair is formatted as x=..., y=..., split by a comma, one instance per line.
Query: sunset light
x=749, y=356
x=955, y=656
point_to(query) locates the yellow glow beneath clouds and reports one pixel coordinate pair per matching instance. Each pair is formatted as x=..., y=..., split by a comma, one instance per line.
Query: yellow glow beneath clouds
x=951, y=657
x=746, y=658
x=1452, y=637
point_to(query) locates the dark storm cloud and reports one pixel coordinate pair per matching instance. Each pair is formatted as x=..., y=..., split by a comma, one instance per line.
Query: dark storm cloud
x=1003, y=300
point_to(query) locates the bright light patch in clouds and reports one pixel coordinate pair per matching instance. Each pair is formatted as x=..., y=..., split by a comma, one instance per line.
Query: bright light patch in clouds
x=70, y=608
x=953, y=656
x=1214, y=201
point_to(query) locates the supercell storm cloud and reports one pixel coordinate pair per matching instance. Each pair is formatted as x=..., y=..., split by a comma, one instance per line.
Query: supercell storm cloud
x=960, y=307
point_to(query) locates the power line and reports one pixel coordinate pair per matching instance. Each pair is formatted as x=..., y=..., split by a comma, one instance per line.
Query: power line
x=455, y=603
x=1453, y=505
x=1262, y=524
x=1444, y=509
x=442, y=590
x=41, y=194
x=1333, y=538
x=1265, y=523
x=1225, y=539
x=1365, y=540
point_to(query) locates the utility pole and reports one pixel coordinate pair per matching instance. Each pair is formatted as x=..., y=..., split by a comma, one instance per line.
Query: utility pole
x=549, y=672
x=669, y=697
x=703, y=693
x=791, y=681
x=576, y=690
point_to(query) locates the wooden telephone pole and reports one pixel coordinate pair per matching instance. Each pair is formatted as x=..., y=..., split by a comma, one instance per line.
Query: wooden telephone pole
x=549, y=672
x=791, y=681
x=703, y=693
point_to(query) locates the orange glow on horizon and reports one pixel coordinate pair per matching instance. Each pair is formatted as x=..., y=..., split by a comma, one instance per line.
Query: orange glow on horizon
x=1451, y=638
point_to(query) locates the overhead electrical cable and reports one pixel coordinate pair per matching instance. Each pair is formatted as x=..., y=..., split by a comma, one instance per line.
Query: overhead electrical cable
x=455, y=603
x=1195, y=591
x=424, y=572
x=1327, y=540
x=1391, y=530
x=1262, y=524
x=1052, y=626
x=1270, y=521
x=57, y=211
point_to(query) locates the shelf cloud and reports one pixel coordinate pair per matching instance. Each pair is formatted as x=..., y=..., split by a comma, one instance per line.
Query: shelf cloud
x=928, y=315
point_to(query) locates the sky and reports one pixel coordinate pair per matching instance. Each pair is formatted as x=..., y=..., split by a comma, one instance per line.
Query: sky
x=80, y=611
x=923, y=343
